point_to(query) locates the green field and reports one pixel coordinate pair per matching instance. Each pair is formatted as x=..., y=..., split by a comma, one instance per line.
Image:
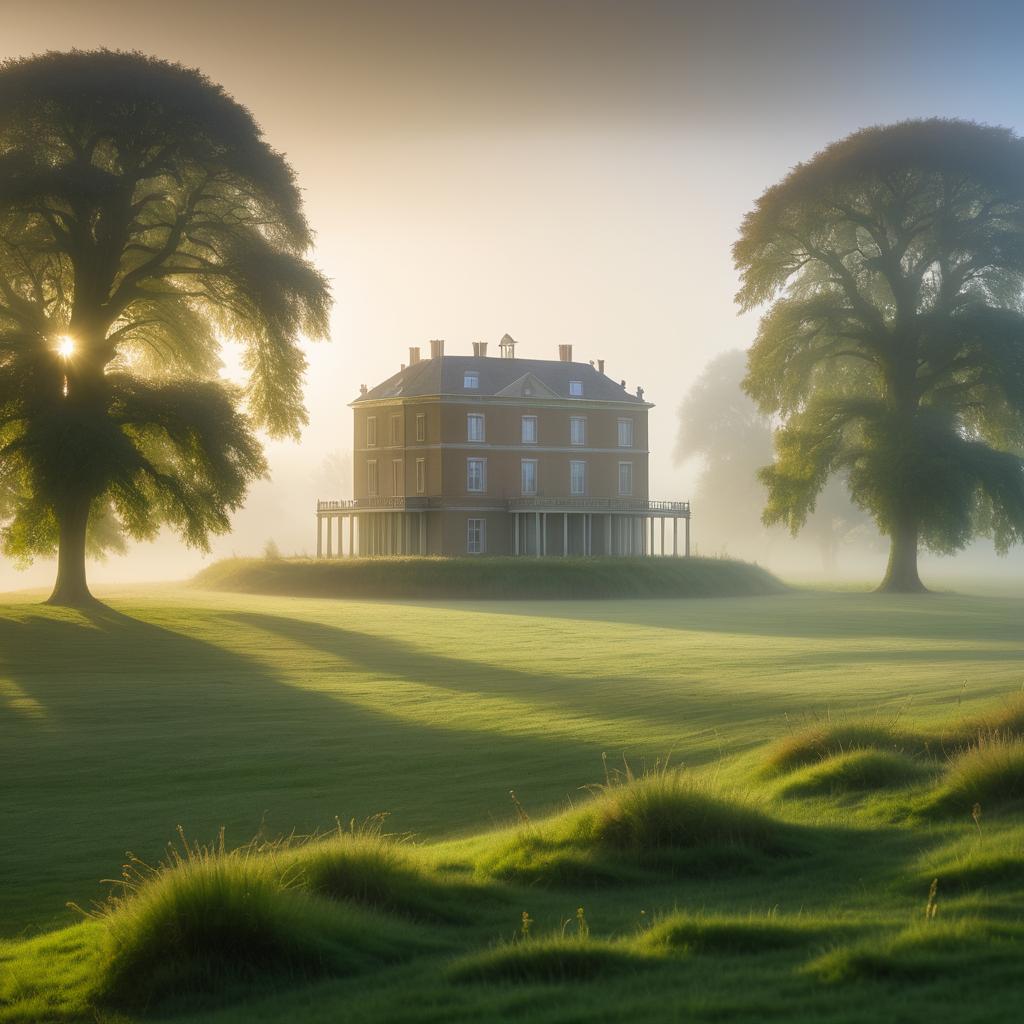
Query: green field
x=268, y=715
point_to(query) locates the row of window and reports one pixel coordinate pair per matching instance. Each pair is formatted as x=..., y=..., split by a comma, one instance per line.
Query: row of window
x=476, y=477
x=471, y=382
x=476, y=430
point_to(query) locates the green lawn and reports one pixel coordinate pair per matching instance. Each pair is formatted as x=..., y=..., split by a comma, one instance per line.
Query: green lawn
x=271, y=714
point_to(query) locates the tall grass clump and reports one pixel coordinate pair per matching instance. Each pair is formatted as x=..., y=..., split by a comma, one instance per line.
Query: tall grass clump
x=209, y=919
x=1005, y=721
x=364, y=864
x=856, y=771
x=988, y=774
x=662, y=819
x=821, y=740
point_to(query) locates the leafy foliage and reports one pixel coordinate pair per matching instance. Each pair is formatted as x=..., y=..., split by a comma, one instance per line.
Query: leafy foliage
x=143, y=217
x=892, y=351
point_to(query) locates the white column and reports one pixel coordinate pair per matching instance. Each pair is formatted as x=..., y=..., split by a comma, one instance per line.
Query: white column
x=515, y=533
x=330, y=530
x=687, y=536
x=608, y=534
x=537, y=531
x=319, y=536
x=565, y=534
x=351, y=535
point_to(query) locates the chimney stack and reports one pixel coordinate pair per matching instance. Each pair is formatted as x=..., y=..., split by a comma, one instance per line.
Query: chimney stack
x=363, y=389
x=480, y=349
x=600, y=366
x=565, y=353
x=437, y=348
x=414, y=355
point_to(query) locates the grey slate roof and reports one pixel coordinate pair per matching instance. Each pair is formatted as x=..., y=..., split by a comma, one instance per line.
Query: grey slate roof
x=444, y=376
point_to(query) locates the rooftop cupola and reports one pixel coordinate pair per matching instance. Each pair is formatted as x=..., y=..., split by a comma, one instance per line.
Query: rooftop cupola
x=507, y=347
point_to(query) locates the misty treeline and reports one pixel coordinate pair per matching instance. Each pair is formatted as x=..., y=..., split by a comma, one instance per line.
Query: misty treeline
x=721, y=427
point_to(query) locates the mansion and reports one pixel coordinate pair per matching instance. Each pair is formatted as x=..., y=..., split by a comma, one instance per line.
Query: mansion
x=476, y=454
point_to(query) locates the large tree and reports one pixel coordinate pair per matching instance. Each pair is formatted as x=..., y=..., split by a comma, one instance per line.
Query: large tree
x=893, y=349
x=144, y=220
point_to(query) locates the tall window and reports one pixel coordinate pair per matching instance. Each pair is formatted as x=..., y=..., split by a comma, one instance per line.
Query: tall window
x=577, y=430
x=371, y=431
x=471, y=379
x=421, y=426
x=475, y=426
x=576, y=388
x=372, y=483
x=476, y=536
x=397, y=478
x=625, y=478
x=529, y=430
x=396, y=429
x=421, y=475
x=577, y=477
x=529, y=476
x=625, y=433
x=476, y=475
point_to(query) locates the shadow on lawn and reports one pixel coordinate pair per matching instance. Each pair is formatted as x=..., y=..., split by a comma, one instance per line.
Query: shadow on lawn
x=147, y=728
x=638, y=708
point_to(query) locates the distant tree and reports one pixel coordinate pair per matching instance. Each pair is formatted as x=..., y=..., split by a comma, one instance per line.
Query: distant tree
x=723, y=427
x=143, y=219
x=894, y=347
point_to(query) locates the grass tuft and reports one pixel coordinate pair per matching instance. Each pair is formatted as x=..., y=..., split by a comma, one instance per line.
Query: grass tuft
x=554, y=960
x=694, y=933
x=856, y=771
x=209, y=920
x=989, y=774
x=662, y=820
x=823, y=740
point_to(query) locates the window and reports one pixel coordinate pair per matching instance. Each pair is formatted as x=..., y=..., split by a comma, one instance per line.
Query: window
x=476, y=475
x=421, y=475
x=396, y=429
x=421, y=426
x=475, y=426
x=371, y=431
x=577, y=430
x=371, y=478
x=471, y=379
x=529, y=430
x=576, y=388
x=625, y=433
x=476, y=536
x=397, y=481
x=529, y=476
x=577, y=477
x=625, y=478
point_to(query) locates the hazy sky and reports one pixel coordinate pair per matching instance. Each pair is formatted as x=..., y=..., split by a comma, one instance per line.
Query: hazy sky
x=563, y=171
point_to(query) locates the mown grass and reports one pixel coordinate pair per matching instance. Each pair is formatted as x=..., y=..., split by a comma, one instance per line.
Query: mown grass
x=491, y=578
x=709, y=894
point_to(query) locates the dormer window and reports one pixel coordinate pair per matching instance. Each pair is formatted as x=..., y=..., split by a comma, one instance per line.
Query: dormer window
x=576, y=388
x=471, y=379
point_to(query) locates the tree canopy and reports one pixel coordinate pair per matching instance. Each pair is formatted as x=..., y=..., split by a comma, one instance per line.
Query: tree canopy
x=144, y=220
x=893, y=346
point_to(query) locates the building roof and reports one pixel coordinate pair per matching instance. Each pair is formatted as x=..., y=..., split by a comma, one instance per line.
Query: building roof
x=501, y=378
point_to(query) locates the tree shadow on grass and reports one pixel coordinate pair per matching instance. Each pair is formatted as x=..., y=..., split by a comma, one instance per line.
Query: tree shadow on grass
x=140, y=728
x=628, y=704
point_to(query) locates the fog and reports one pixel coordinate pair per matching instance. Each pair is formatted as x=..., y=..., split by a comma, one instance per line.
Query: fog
x=571, y=172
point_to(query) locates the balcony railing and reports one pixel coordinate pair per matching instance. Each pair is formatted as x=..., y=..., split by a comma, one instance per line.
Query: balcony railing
x=634, y=506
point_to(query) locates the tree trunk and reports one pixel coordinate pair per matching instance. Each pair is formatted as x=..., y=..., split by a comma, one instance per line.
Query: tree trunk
x=71, y=589
x=901, y=574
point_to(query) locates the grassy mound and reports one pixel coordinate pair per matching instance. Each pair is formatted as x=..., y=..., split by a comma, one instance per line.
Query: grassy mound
x=554, y=960
x=662, y=820
x=1003, y=722
x=506, y=578
x=921, y=952
x=856, y=771
x=210, y=921
x=364, y=866
x=989, y=774
x=693, y=933
x=823, y=740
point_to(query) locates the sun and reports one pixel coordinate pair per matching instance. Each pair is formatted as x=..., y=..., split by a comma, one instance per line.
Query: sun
x=65, y=346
